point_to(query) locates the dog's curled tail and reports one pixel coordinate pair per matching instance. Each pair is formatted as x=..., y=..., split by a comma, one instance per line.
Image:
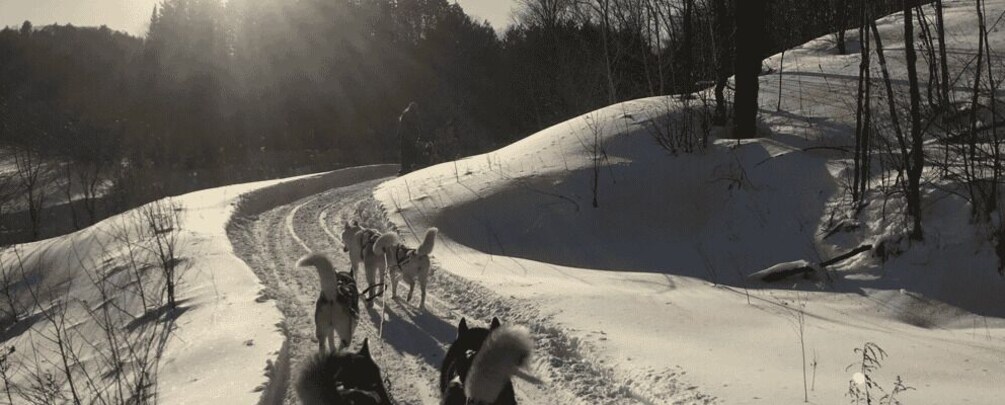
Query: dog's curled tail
x=326, y=272
x=318, y=261
x=427, y=243
x=315, y=384
x=385, y=242
x=503, y=355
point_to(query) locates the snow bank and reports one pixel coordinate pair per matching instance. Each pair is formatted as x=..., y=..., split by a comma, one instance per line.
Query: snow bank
x=227, y=340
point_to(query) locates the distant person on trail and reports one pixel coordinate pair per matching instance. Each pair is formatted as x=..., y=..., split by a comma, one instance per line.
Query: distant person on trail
x=408, y=137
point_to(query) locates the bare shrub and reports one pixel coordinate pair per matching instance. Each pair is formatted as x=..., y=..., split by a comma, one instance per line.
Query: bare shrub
x=162, y=221
x=596, y=148
x=103, y=352
x=863, y=387
x=684, y=126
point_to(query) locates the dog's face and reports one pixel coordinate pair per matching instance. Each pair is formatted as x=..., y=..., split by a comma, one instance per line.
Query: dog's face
x=363, y=384
x=469, y=342
x=349, y=231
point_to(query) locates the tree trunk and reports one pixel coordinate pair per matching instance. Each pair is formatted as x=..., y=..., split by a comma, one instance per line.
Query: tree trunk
x=993, y=85
x=606, y=10
x=842, y=23
x=687, y=45
x=917, y=161
x=722, y=41
x=867, y=123
x=862, y=113
x=748, y=39
x=941, y=34
x=928, y=44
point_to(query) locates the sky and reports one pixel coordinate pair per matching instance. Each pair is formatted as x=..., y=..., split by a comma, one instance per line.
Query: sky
x=133, y=16
x=497, y=12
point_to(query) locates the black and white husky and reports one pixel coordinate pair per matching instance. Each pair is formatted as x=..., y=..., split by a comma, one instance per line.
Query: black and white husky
x=410, y=264
x=337, y=307
x=358, y=242
x=342, y=378
x=480, y=363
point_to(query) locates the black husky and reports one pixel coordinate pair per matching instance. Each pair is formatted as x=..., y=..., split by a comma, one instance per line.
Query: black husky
x=479, y=364
x=342, y=378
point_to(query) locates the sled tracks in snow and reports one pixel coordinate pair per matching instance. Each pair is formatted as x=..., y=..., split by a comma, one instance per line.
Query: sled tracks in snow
x=413, y=342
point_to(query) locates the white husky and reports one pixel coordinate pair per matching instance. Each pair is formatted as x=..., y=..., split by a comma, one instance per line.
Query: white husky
x=411, y=264
x=337, y=307
x=358, y=242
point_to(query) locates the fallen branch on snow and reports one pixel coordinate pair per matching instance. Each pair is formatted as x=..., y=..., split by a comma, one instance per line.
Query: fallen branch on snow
x=785, y=270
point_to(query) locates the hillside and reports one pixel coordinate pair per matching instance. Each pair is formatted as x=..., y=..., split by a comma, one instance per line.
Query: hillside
x=654, y=278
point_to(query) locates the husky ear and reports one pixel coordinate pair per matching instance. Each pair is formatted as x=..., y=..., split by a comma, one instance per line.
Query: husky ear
x=495, y=323
x=365, y=350
x=462, y=327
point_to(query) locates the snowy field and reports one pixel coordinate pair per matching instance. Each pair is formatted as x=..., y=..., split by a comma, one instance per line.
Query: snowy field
x=630, y=266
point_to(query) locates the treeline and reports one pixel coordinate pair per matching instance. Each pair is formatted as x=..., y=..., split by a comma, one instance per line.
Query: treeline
x=228, y=91
x=63, y=89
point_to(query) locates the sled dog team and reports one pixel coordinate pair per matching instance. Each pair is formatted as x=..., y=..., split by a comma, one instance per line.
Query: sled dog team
x=476, y=369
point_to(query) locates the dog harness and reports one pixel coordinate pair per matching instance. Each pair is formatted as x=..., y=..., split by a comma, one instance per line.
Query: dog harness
x=366, y=240
x=402, y=254
x=348, y=295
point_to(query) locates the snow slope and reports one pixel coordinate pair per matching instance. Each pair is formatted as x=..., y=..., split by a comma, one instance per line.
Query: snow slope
x=653, y=280
x=225, y=340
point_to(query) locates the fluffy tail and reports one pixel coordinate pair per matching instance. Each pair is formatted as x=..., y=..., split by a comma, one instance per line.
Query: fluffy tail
x=316, y=260
x=427, y=244
x=326, y=272
x=316, y=384
x=501, y=357
x=385, y=242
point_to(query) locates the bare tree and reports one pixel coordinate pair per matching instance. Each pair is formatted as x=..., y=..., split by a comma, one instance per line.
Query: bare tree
x=547, y=13
x=89, y=178
x=31, y=175
x=917, y=155
x=723, y=40
x=68, y=167
x=687, y=54
x=863, y=114
x=604, y=9
x=8, y=194
x=940, y=28
x=841, y=23
x=890, y=97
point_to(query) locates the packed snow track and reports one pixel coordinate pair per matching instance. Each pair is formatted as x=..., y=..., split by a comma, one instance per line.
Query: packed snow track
x=413, y=342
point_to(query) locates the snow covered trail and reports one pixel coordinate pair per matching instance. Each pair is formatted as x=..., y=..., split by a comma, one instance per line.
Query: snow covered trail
x=413, y=342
